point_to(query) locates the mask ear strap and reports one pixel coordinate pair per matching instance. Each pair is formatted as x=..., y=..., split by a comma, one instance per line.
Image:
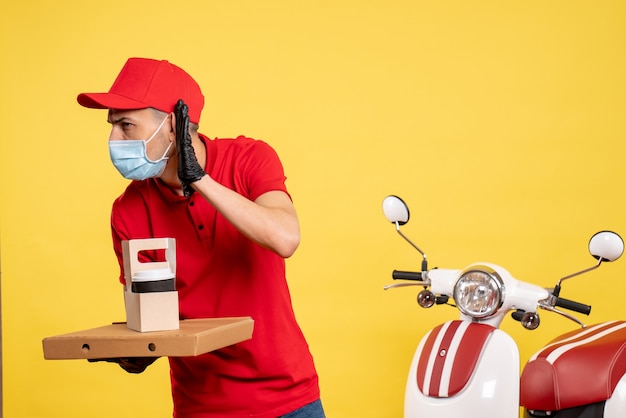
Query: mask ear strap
x=158, y=129
x=165, y=157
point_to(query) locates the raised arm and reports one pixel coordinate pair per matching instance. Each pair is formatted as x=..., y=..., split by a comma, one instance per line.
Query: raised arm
x=270, y=220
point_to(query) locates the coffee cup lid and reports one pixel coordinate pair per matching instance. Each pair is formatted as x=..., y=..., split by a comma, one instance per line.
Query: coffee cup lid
x=153, y=275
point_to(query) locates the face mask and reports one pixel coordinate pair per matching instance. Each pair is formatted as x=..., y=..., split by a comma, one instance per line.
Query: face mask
x=131, y=159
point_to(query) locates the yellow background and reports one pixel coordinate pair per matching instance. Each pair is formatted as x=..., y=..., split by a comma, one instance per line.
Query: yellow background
x=501, y=124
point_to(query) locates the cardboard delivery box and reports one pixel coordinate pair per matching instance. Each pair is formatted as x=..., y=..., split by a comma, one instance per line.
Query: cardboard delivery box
x=194, y=337
x=152, y=327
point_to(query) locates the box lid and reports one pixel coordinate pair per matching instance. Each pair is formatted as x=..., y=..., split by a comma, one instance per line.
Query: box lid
x=195, y=337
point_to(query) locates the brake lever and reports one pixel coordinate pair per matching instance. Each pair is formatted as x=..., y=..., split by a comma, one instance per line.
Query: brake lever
x=548, y=307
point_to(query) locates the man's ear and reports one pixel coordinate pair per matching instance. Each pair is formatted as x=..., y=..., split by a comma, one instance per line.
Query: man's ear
x=173, y=127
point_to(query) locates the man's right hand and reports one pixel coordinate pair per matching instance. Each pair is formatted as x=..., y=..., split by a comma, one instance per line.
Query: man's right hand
x=130, y=364
x=189, y=170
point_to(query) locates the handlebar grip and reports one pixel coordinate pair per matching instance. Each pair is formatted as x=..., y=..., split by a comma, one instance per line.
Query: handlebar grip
x=573, y=306
x=407, y=275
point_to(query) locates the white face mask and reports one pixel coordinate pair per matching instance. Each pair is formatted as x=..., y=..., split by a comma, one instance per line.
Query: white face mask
x=131, y=159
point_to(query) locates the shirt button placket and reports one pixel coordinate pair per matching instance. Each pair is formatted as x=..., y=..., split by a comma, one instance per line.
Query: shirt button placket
x=192, y=203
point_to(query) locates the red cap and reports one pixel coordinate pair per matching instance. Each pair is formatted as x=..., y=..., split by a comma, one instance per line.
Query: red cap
x=146, y=83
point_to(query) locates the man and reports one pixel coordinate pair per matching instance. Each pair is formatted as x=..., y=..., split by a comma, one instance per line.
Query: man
x=226, y=204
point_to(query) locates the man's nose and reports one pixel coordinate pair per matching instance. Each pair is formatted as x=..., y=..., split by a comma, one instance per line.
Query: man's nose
x=115, y=135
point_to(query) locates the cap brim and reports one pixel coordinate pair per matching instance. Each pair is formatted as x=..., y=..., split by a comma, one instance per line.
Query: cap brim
x=108, y=101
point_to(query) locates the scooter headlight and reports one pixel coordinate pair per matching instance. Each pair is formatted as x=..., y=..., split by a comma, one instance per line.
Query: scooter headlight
x=479, y=292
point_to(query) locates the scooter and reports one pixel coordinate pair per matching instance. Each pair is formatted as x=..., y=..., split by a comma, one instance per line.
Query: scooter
x=468, y=367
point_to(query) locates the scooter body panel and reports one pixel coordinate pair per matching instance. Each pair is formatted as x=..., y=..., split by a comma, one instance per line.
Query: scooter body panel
x=492, y=390
x=615, y=406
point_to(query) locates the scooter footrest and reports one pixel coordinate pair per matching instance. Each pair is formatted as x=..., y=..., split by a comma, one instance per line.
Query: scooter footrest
x=578, y=368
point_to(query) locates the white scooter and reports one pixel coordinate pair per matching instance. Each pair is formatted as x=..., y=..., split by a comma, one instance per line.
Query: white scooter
x=469, y=368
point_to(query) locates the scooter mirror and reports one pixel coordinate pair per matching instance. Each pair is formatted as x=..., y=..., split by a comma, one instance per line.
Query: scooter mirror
x=606, y=246
x=395, y=210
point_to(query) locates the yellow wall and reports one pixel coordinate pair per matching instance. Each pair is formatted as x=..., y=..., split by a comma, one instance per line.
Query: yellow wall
x=500, y=122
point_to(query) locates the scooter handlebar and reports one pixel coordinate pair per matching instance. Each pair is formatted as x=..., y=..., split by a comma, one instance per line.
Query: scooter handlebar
x=573, y=306
x=407, y=275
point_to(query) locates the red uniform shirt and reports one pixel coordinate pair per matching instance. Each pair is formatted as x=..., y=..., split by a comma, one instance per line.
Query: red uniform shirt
x=221, y=273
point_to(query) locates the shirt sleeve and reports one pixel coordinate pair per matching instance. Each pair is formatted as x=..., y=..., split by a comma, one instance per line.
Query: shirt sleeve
x=261, y=170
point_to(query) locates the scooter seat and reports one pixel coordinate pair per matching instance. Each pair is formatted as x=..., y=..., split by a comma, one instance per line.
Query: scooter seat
x=577, y=368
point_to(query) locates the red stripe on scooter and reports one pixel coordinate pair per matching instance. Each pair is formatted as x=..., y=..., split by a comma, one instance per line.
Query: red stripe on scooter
x=572, y=337
x=440, y=358
x=422, y=365
x=437, y=350
x=467, y=356
x=430, y=363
